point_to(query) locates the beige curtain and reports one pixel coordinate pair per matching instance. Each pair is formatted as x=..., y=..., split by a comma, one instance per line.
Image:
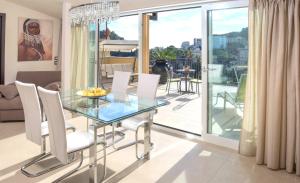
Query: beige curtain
x=79, y=57
x=271, y=126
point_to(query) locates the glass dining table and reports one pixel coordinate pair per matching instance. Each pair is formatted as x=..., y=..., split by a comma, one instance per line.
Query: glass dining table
x=109, y=110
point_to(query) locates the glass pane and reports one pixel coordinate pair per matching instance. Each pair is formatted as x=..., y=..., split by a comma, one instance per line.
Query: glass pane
x=110, y=108
x=118, y=55
x=175, y=44
x=227, y=70
x=124, y=28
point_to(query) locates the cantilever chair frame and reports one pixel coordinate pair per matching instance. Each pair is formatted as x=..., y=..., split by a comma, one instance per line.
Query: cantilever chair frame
x=149, y=121
x=137, y=141
x=62, y=153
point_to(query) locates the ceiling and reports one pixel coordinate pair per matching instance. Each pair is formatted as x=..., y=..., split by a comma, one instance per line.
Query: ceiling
x=54, y=7
x=49, y=7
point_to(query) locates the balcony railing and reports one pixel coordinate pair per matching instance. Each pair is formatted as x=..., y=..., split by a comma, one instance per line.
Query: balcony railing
x=179, y=63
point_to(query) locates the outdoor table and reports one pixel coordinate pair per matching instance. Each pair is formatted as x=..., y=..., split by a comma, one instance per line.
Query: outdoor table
x=109, y=110
x=186, y=73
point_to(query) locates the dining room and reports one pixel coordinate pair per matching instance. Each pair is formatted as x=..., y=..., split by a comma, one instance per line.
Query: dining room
x=150, y=91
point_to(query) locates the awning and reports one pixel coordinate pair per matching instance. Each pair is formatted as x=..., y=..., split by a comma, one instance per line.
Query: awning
x=118, y=45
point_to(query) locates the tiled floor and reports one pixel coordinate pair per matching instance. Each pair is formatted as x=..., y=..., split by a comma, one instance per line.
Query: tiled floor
x=173, y=159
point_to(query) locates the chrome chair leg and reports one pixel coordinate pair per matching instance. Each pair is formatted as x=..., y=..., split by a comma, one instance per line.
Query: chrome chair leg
x=72, y=171
x=40, y=157
x=36, y=159
x=136, y=142
x=43, y=145
x=167, y=85
x=217, y=99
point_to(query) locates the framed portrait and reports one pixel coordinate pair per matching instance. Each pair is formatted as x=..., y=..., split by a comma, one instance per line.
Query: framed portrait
x=35, y=39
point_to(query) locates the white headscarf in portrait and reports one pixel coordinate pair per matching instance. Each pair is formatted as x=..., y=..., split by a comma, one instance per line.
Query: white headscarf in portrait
x=31, y=40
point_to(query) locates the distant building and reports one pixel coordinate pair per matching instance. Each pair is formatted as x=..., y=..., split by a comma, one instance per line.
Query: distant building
x=219, y=41
x=185, y=45
x=243, y=56
x=197, y=43
x=237, y=39
x=196, y=52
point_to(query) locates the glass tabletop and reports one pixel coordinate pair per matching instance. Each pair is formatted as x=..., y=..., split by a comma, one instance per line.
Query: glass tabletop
x=108, y=109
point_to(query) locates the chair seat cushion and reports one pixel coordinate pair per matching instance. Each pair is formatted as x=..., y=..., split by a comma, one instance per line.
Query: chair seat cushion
x=79, y=140
x=45, y=130
x=133, y=123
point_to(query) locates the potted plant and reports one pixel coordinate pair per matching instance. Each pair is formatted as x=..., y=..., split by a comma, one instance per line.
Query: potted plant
x=161, y=57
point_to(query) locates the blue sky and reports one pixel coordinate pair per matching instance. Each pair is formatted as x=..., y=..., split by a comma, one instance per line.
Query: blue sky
x=174, y=27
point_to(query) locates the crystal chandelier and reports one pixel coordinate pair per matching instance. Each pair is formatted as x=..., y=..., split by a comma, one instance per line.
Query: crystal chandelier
x=102, y=10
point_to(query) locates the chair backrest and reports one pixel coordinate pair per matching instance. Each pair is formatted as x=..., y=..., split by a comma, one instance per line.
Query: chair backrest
x=169, y=72
x=239, y=70
x=56, y=123
x=120, y=82
x=240, y=95
x=147, y=86
x=32, y=111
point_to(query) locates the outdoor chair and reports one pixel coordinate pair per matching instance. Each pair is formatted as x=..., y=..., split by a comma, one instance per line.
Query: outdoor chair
x=172, y=78
x=196, y=81
x=238, y=70
x=236, y=99
x=36, y=128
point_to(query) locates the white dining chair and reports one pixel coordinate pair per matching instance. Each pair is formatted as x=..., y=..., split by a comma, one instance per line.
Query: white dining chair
x=36, y=129
x=146, y=90
x=63, y=145
x=119, y=90
x=120, y=82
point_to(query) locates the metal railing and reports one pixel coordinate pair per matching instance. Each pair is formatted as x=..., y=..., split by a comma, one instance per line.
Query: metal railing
x=179, y=63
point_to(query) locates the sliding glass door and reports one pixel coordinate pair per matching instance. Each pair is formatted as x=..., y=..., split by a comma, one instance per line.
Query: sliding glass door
x=177, y=34
x=225, y=69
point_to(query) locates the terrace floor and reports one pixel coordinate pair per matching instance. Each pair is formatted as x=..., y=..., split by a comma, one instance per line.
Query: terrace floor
x=184, y=111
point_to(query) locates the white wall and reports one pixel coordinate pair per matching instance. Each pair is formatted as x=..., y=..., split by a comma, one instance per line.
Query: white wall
x=12, y=66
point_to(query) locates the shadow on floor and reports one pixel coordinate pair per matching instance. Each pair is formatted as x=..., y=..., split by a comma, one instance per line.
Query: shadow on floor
x=194, y=166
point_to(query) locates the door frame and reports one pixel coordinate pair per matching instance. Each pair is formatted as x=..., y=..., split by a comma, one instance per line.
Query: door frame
x=212, y=138
x=2, y=46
